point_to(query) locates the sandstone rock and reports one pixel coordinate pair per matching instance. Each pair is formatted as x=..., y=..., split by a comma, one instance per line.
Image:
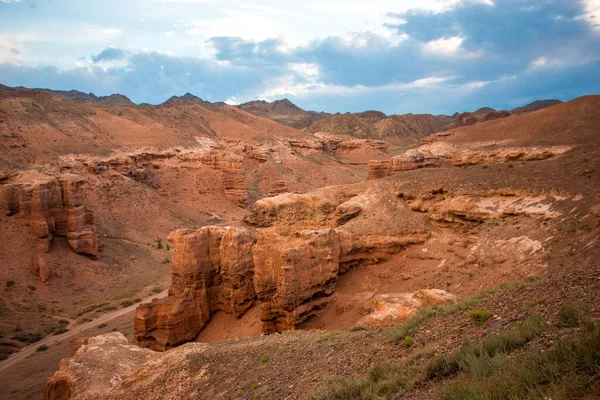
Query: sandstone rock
x=109, y=359
x=294, y=276
x=54, y=206
x=212, y=269
x=395, y=308
x=76, y=344
x=429, y=155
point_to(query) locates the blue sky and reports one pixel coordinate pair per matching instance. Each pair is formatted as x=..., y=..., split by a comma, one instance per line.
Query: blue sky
x=433, y=56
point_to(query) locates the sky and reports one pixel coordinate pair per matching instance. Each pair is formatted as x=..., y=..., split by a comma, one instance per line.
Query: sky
x=396, y=56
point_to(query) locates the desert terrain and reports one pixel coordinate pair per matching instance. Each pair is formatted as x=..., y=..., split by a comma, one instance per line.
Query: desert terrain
x=203, y=250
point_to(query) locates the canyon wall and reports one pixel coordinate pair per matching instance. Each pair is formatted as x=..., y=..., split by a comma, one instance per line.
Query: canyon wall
x=54, y=206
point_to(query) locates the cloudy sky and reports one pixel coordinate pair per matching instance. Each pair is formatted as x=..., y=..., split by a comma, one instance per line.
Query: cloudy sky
x=397, y=56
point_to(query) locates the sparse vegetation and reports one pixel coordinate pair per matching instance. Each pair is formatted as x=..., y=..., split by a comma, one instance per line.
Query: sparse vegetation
x=102, y=326
x=42, y=348
x=570, y=314
x=480, y=317
x=408, y=341
x=10, y=284
x=264, y=359
x=32, y=288
x=166, y=261
x=159, y=243
x=568, y=371
x=156, y=289
x=478, y=360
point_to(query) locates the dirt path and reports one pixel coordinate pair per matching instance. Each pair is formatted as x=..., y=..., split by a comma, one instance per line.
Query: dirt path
x=31, y=349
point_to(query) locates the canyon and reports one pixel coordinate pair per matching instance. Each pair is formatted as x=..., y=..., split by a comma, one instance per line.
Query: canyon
x=281, y=233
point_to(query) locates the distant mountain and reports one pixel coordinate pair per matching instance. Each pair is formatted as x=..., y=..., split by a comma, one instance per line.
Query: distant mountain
x=536, y=105
x=78, y=97
x=189, y=98
x=283, y=111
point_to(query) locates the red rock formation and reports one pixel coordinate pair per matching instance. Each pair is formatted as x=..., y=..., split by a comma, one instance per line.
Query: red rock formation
x=212, y=270
x=54, y=206
x=294, y=276
x=140, y=166
x=429, y=155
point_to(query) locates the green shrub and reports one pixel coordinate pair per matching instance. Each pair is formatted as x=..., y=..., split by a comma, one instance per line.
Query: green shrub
x=102, y=326
x=159, y=243
x=156, y=289
x=264, y=359
x=408, y=341
x=42, y=348
x=570, y=314
x=480, y=317
x=480, y=357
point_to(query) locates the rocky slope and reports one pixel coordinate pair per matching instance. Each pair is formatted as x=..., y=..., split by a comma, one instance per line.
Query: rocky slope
x=521, y=138
x=401, y=130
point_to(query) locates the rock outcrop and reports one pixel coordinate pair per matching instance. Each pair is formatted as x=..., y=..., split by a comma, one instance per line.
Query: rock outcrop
x=429, y=155
x=228, y=268
x=54, y=206
x=212, y=270
x=443, y=154
x=294, y=276
x=140, y=167
x=109, y=359
x=396, y=308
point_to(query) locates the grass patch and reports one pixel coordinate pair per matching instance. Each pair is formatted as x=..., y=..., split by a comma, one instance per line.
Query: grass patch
x=480, y=317
x=383, y=381
x=571, y=370
x=570, y=314
x=264, y=359
x=479, y=358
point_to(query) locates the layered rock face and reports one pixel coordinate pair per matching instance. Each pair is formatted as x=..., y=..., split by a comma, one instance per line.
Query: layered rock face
x=294, y=276
x=443, y=154
x=54, y=206
x=212, y=270
x=141, y=166
x=429, y=155
x=228, y=268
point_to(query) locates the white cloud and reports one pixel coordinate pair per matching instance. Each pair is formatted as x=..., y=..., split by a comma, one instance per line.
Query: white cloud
x=233, y=101
x=592, y=13
x=170, y=33
x=10, y=50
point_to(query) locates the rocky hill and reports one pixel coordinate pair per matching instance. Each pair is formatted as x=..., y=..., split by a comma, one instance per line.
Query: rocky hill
x=283, y=111
x=401, y=130
x=536, y=105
